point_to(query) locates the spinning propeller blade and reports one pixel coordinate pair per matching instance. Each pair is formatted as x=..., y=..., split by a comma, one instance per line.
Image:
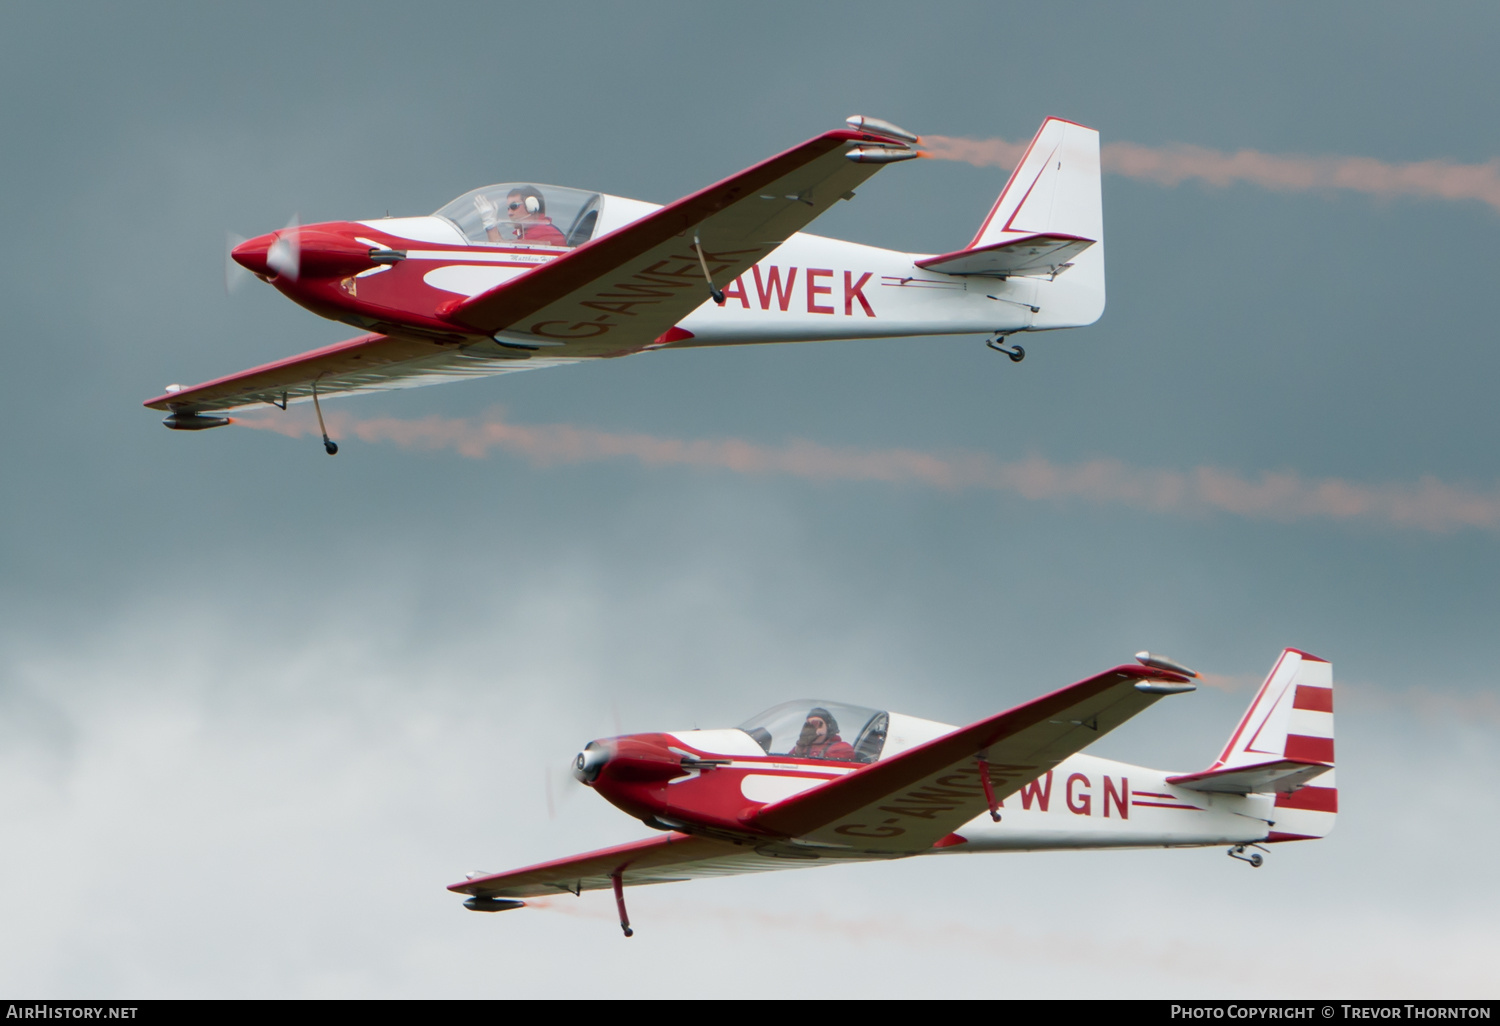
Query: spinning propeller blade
x=285, y=257
x=561, y=786
x=561, y=783
x=234, y=274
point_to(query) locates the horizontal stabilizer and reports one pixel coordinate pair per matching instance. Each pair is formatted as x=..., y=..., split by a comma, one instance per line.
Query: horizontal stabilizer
x=1031, y=254
x=1281, y=775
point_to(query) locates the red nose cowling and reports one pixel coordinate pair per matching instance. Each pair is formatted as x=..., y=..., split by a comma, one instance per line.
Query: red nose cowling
x=321, y=253
x=640, y=759
x=252, y=254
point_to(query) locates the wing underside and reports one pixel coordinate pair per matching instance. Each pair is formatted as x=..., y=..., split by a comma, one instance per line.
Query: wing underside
x=670, y=858
x=370, y=363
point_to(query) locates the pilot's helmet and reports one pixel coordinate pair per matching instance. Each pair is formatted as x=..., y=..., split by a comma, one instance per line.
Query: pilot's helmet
x=826, y=717
x=530, y=198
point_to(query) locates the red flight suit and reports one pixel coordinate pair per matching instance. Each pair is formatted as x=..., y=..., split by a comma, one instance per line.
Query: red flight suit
x=834, y=749
x=541, y=231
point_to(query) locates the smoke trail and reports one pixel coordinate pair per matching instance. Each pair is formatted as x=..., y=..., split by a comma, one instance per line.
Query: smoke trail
x=1030, y=941
x=1173, y=164
x=1428, y=505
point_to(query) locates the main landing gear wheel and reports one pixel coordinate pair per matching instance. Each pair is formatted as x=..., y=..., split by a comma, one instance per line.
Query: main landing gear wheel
x=329, y=445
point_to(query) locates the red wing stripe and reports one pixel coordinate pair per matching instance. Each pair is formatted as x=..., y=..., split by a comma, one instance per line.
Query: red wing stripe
x=1313, y=699
x=1312, y=749
x=1312, y=799
x=1164, y=805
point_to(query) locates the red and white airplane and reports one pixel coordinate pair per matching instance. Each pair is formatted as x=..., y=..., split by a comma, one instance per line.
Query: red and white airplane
x=518, y=276
x=813, y=783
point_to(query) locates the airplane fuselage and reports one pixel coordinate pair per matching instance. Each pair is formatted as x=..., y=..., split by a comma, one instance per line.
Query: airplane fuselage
x=714, y=782
x=811, y=288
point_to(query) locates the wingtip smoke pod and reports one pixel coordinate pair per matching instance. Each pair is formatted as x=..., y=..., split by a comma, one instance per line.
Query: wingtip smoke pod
x=876, y=126
x=1163, y=663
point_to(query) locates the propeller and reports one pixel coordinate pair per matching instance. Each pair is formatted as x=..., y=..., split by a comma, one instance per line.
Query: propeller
x=285, y=257
x=234, y=274
x=561, y=785
x=562, y=782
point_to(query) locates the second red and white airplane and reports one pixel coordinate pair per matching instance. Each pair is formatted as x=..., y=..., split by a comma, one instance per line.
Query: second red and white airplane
x=814, y=783
x=520, y=275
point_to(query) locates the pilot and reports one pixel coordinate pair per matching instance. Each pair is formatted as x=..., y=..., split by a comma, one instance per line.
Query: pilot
x=820, y=739
x=524, y=219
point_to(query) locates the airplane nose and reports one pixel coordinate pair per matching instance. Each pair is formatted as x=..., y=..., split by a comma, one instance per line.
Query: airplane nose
x=589, y=762
x=254, y=254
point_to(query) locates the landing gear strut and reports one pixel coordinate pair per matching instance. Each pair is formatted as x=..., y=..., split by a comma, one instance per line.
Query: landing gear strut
x=1015, y=352
x=620, y=903
x=1254, y=858
x=713, y=290
x=989, y=792
x=329, y=446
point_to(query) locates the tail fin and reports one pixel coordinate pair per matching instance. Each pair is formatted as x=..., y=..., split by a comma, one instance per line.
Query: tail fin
x=1284, y=740
x=1048, y=223
x=1054, y=190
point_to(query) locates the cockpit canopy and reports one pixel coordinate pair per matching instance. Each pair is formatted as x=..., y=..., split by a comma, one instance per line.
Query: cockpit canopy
x=852, y=733
x=520, y=213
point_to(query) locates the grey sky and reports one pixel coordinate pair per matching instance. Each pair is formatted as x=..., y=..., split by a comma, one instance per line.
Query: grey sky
x=257, y=706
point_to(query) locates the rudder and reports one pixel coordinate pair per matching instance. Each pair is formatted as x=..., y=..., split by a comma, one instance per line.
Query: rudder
x=1054, y=190
x=1055, y=194
x=1283, y=743
x=1292, y=719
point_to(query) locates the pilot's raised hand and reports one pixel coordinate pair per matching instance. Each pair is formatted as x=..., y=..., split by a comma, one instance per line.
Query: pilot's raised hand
x=489, y=211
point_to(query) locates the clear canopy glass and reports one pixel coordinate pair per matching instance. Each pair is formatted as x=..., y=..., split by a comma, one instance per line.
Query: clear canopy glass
x=520, y=213
x=812, y=729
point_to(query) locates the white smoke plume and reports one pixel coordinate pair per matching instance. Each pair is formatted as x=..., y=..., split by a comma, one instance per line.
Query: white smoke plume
x=1180, y=162
x=1427, y=504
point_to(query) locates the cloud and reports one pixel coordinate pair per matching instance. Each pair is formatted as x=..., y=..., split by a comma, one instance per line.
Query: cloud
x=1285, y=496
x=1179, y=162
x=280, y=818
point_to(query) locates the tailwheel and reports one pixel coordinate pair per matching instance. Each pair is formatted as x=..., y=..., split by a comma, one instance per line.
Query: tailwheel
x=997, y=343
x=1254, y=858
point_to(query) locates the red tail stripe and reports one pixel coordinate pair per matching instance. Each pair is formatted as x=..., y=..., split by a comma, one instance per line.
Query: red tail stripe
x=1312, y=799
x=1311, y=749
x=1313, y=699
